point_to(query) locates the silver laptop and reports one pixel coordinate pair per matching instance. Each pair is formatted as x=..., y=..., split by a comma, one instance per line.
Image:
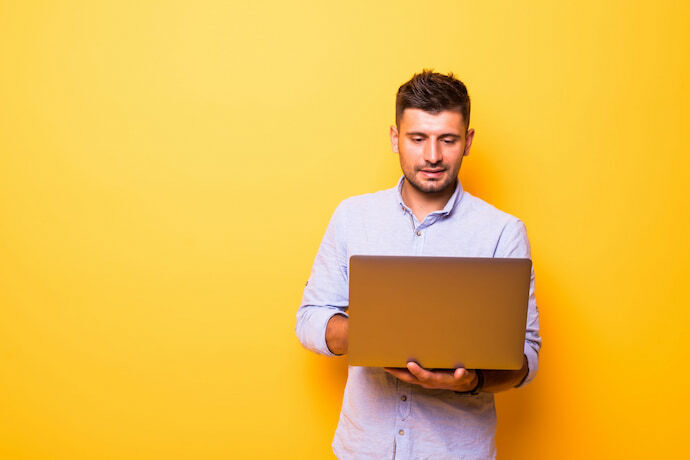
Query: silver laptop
x=441, y=312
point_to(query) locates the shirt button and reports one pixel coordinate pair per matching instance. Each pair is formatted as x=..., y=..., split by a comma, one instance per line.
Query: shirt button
x=419, y=233
x=401, y=432
x=403, y=397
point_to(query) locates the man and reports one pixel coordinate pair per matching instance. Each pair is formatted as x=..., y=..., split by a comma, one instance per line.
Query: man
x=415, y=412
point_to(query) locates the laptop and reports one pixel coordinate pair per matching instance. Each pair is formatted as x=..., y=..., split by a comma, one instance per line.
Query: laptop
x=441, y=312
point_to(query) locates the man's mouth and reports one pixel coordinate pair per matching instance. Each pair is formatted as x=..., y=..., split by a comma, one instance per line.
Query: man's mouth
x=432, y=173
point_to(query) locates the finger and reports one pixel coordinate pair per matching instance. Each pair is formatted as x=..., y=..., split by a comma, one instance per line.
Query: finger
x=401, y=374
x=431, y=379
x=460, y=373
x=391, y=370
x=419, y=372
x=406, y=377
x=394, y=369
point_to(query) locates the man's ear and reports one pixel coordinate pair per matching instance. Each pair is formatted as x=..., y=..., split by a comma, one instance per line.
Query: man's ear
x=468, y=142
x=394, y=138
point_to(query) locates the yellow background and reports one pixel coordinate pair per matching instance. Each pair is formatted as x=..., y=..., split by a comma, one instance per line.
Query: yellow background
x=167, y=170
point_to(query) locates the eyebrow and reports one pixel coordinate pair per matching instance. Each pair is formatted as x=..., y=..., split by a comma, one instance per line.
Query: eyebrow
x=454, y=136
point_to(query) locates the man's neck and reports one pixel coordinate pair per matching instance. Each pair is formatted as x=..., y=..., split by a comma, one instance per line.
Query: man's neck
x=421, y=203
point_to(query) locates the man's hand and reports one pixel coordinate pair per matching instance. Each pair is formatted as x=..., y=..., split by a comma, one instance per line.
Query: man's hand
x=458, y=380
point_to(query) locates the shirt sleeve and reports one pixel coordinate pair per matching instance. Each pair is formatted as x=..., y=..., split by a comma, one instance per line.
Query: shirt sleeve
x=327, y=292
x=513, y=242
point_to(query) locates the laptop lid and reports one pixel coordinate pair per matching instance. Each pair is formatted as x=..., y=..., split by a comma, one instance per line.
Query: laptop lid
x=442, y=312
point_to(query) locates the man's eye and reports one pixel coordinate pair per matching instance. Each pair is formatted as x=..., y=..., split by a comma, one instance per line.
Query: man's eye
x=449, y=141
x=417, y=139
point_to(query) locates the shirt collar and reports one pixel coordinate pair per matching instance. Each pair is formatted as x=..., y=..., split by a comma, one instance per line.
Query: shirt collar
x=447, y=209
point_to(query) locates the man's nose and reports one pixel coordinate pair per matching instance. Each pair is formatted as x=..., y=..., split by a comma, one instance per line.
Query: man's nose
x=432, y=152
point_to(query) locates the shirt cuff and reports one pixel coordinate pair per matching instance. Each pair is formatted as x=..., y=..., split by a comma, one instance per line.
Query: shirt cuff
x=319, y=317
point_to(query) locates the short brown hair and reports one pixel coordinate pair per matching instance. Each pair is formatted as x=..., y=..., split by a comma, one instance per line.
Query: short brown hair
x=433, y=92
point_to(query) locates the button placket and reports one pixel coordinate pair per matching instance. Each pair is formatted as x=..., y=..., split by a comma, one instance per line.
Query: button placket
x=404, y=400
x=420, y=234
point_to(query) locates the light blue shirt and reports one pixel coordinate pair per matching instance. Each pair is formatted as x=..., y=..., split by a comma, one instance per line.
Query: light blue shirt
x=381, y=416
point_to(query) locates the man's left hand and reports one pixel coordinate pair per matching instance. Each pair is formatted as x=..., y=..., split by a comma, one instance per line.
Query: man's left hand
x=460, y=379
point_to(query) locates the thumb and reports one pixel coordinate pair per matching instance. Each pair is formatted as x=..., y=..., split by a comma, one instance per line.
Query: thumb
x=460, y=373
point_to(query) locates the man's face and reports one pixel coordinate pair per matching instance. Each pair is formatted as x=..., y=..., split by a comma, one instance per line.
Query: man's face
x=431, y=147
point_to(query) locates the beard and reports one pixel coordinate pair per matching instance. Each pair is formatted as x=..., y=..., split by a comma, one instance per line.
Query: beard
x=432, y=186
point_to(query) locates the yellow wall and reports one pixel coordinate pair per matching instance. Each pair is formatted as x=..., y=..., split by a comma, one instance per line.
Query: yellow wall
x=167, y=171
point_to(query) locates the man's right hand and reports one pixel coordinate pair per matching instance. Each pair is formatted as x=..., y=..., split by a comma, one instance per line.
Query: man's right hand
x=336, y=334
